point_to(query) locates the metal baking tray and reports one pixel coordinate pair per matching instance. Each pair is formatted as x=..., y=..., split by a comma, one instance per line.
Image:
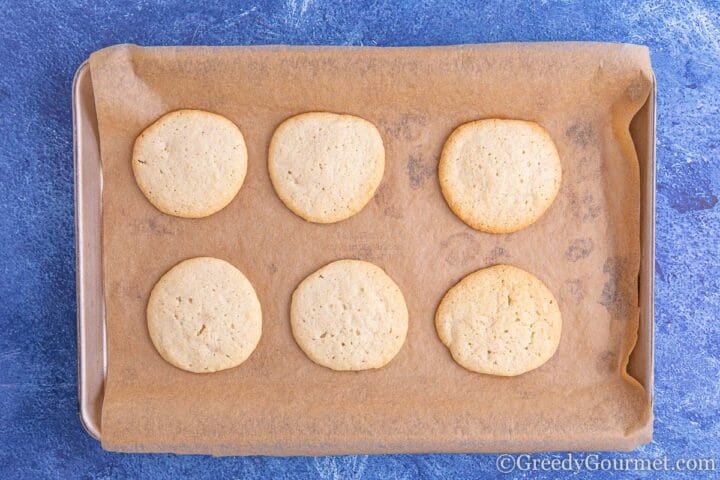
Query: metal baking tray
x=92, y=359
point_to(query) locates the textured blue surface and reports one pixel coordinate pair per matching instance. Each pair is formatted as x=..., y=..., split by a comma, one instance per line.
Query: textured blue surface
x=42, y=44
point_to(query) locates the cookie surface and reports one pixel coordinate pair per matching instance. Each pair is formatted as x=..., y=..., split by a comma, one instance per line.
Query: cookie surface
x=499, y=176
x=326, y=167
x=190, y=163
x=499, y=320
x=203, y=316
x=349, y=315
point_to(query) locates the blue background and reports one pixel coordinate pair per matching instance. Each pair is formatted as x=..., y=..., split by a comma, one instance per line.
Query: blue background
x=43, y=43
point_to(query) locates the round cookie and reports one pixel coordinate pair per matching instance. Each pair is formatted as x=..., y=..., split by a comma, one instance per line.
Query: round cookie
x=349, y=315
x=499, y=320
x=499, y=176
x=204, y=316
x=190, y=163
x=326, y=167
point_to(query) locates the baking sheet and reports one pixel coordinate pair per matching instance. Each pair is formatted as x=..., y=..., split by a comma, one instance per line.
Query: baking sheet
x=586, y=249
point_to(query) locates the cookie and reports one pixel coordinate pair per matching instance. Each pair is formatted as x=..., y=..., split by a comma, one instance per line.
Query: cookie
x=326, y=167
x=499, y=320
x=349, y=315
x=204, y=316
x=499, y=176
x=190, y=163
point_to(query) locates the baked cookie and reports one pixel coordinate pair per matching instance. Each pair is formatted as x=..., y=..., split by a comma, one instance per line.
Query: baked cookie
x=499, y=176
x=190, y=163
x=326, y=167
x=499, y=320
x=349, y=315
x=204, y=316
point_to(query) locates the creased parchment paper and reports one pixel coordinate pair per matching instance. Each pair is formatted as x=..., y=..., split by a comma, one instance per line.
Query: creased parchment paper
x=585, y=248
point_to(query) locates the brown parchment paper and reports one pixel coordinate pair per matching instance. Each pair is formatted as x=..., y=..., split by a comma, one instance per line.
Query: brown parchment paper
x=585, y=248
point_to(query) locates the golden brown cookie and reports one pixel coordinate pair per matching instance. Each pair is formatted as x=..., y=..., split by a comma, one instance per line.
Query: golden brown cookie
x=190, y=163
x=326, y=167
x=349, y=315
x=499, y=320
x=203, y=316
x=499, y=176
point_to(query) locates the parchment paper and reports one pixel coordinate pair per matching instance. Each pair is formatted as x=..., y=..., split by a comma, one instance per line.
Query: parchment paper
x=586, y=249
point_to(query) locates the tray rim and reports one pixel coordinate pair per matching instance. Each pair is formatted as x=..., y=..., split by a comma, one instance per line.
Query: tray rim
x=90, y=411
x=646, y=297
